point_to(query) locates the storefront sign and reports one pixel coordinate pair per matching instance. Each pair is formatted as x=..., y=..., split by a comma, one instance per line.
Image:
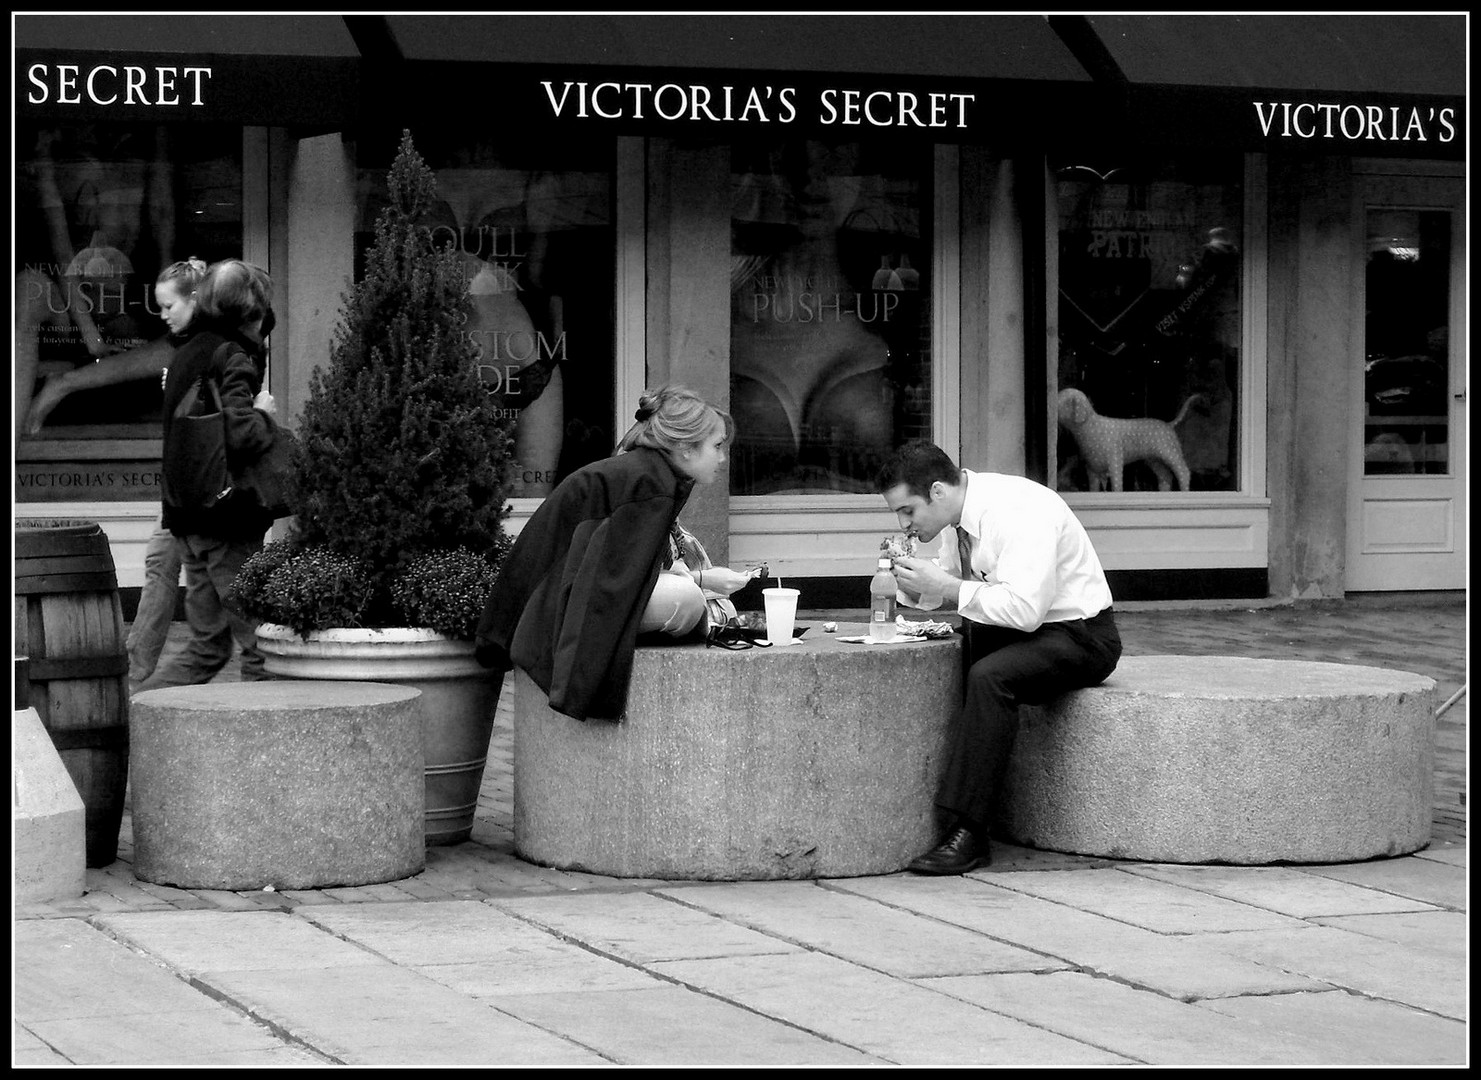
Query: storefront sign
x=1306, y=120
x=108, y=84
x=87, y=481
x=56, y=86
x=1362, y=124
x=759, y=103
x=670, y=101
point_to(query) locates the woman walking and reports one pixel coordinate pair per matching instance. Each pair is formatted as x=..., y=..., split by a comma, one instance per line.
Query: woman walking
x=233, y=317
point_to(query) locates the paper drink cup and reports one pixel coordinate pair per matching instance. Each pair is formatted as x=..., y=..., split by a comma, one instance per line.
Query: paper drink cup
x=781, y=614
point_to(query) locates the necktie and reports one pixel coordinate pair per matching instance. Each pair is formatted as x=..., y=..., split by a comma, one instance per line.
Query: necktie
x=964, y=553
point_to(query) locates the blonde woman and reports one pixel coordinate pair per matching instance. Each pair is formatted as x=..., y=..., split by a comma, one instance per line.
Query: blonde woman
x=603, y=560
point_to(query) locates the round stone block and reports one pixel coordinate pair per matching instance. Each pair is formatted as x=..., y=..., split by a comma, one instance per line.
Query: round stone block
x=819, y=759
x=297, y=784
x=1221, y=759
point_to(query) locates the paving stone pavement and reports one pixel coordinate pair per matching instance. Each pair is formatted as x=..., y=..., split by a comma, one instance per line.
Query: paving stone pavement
x=1039, y=960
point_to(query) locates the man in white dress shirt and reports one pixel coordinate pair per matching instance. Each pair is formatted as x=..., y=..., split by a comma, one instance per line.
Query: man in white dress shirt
x=1036, y=616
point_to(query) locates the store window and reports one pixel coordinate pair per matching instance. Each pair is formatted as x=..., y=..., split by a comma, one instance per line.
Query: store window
x=100, y=210
x=1149, y=323
x=830, y=335
x=533, y=226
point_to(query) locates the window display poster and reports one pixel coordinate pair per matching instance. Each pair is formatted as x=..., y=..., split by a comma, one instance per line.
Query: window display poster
x=830, y=308
x=100, y=210
x=1149, y=323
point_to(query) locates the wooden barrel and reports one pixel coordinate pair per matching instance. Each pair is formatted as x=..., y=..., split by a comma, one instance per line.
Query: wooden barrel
x=69, y=626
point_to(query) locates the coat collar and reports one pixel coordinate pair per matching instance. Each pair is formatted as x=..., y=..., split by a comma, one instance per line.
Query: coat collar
x=250, y=342
x=661, y=462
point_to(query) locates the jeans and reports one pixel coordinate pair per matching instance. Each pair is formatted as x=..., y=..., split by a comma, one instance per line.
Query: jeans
x=210, y=567
x=151, y=623
x=1006, y=669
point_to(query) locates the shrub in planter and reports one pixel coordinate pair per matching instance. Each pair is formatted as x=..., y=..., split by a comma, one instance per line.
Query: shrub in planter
x=304, y=589
x=402, y=453
x=447, y=590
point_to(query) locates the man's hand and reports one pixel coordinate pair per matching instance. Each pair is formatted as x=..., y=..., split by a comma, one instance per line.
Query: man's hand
x=922, y=577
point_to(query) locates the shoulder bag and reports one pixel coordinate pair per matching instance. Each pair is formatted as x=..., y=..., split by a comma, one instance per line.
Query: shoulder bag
x=194, y=475
x=267, y=477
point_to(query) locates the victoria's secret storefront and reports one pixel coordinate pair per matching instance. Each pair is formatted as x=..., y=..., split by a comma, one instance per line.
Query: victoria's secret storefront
x=1009, y=217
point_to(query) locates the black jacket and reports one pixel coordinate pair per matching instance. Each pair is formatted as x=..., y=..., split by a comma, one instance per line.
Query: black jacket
x=238, y=370
x=573, y=588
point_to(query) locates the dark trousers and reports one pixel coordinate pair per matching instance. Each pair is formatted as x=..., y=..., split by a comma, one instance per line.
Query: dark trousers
x=1005, y=669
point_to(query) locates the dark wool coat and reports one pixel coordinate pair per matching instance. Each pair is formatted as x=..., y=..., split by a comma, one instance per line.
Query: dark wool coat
x=571, y=593
x=238, y=369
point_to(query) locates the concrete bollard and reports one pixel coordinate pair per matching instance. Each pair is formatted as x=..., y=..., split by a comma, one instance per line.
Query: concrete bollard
x=813, y=760
x=49, y=833
x=1221, y=759
x=296, y=784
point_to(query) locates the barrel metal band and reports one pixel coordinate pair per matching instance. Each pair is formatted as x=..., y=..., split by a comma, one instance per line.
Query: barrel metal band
x=41, y=544
x=56, y=563
x=66, y=583
x=99, y=738
x=40, y=669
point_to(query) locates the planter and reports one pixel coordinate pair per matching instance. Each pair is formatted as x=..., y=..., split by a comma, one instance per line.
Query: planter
x=458, y=702
x=69, y=627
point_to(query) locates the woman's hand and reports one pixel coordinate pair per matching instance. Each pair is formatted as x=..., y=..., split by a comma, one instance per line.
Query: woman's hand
x=265, y=402
x=722, y=579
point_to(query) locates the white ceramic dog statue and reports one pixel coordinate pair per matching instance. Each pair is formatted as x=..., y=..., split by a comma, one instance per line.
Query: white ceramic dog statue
x=1108, y=444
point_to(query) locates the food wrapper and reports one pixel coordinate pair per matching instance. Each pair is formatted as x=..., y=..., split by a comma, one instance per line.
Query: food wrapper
x=898, y=546
x=922, y=628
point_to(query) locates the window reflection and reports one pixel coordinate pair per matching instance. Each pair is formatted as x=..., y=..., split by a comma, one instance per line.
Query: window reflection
x=1149, y=321
x=100, y=210
x=1406, y=372
x=830, y=307
x=532, y=226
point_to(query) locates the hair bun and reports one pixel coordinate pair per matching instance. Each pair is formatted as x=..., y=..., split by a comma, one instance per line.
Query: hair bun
x=643, y=413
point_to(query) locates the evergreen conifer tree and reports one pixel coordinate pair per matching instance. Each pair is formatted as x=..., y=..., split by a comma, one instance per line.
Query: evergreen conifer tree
x=403, y=452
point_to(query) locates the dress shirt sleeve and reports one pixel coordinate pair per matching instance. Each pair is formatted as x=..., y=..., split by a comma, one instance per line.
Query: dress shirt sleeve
x=1024, y=577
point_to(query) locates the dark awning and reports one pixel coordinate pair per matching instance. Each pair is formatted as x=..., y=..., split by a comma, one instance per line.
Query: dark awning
x=988, y=78
x=1392, y=84
x=952, y=46
x=282, y=69
x=1380, y=54
x=1356, y=84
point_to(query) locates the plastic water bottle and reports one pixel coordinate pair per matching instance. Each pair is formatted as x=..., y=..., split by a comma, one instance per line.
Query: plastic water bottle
x=882, y=602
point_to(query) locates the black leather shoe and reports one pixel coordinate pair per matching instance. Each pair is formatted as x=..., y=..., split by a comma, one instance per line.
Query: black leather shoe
x=959, y=852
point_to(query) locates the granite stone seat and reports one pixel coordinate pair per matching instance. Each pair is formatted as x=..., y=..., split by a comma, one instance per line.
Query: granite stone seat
x=48, y=832
x=819, y=759
x=296, y=784
x=1219, y=759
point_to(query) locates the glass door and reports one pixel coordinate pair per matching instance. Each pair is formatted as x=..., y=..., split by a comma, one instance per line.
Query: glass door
x=1407, y=519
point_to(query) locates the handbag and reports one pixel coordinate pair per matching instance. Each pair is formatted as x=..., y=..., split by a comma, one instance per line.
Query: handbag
x=722, y=625
x=685, y=547
x=193, y=473
x=267, y=477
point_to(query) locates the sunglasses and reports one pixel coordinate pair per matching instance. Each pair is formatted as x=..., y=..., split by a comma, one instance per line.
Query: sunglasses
x=732, y=635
